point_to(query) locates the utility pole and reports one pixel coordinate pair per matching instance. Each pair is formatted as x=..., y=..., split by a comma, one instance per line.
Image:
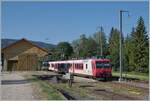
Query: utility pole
x=120, y=41
x=100, y=40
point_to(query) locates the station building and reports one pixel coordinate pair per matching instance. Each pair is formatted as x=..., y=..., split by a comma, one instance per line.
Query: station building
x=22, y=55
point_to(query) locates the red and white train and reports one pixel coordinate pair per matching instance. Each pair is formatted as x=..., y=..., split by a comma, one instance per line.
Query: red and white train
x=98, y=68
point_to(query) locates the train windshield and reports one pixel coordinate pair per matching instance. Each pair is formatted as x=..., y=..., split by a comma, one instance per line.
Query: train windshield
x=45, y=64
x=104, y=64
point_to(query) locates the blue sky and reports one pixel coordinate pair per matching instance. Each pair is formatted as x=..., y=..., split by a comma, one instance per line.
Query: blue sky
x=53, y=22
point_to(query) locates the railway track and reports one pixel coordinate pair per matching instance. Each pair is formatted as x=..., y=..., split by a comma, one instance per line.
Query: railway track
x=112, y=95
x=66, y=94
x=132, y=84
x=128, y=82
x=143, y=87
x=94, y=89
x=108, y=93
x=102, y=92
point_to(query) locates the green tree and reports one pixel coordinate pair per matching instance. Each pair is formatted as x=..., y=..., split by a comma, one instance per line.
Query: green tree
x=100, y=38
x=129, y=63
x=55, y=55
x=141, y=47
x=91, y=47
x=128, y=54
x=65, y=49
x=76, y=48
x=84, y=47
x=114, y=48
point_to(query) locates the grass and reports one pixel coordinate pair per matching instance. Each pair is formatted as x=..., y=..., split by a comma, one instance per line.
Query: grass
x=140, y=76
x=52, y=93
x=48, y=90
x=51, y=89
x=72, y=90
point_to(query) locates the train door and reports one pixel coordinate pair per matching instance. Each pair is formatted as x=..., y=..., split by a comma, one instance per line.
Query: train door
x=90, y=67
x=86, y=67
x=93, y=68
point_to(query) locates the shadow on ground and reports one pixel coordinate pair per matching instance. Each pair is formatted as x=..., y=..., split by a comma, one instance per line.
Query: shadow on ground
x=9, y=82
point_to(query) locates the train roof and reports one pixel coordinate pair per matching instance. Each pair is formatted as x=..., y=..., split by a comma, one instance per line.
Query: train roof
x=80, y=60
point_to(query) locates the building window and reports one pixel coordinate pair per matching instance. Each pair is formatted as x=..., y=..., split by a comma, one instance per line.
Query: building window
x=2, y=59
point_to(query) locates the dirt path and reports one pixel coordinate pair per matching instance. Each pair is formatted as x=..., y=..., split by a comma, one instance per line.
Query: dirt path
x=16, y=87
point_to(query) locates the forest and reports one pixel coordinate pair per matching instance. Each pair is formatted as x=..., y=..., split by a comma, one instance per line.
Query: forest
x=135, y=48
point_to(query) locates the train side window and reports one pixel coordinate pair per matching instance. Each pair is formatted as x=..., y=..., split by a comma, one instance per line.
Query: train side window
x=80, y=66
x=56, y=65
x=76, y=66
x=86, y=66
x=70, y=65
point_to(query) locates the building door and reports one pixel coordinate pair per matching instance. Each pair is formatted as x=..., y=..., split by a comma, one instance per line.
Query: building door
x=12, y=65
x=27, y=62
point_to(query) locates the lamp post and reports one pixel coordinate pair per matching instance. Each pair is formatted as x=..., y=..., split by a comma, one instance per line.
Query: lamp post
x=120, y=41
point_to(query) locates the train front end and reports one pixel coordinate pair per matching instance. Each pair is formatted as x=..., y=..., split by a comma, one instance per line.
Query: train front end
x=102, y=68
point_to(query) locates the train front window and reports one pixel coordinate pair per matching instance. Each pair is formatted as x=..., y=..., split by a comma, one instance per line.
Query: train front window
x=46, y=64
x=104, y=64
